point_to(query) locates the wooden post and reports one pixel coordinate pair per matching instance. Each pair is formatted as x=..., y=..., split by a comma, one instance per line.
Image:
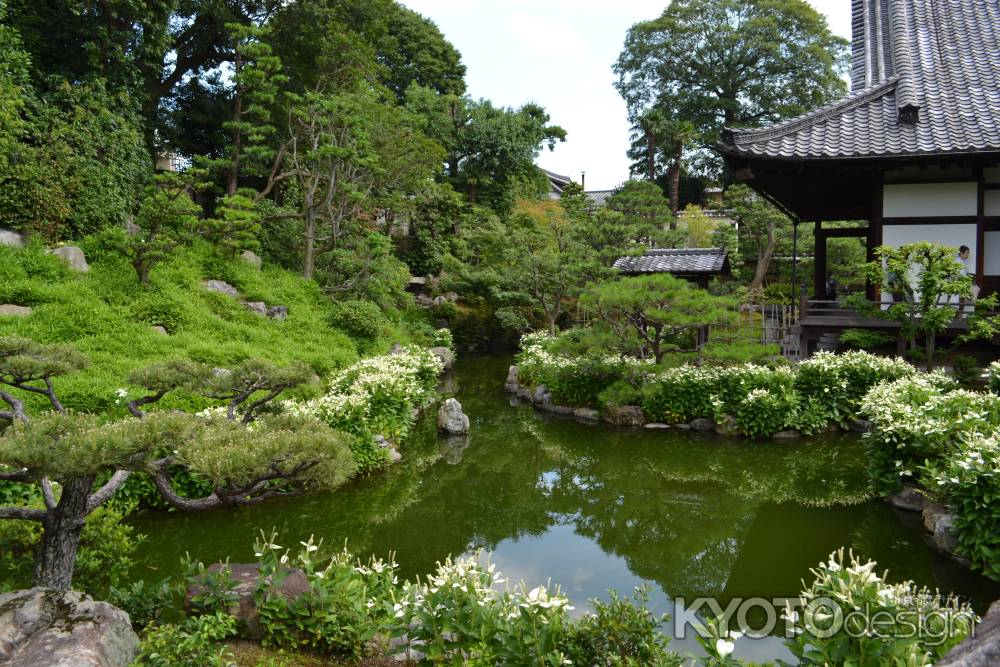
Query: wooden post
x=819, y=277
x=874, y=234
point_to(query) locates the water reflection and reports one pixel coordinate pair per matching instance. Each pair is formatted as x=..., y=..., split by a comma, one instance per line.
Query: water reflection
x=591, y=508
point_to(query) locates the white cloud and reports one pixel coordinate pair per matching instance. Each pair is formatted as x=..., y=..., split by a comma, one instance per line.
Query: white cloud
x=546, y=37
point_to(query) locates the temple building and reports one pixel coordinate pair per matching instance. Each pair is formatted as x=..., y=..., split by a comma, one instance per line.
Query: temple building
x=913, y=152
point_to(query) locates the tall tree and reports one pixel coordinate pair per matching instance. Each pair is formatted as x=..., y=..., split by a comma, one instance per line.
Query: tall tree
x=731, y=62
x=761, y=228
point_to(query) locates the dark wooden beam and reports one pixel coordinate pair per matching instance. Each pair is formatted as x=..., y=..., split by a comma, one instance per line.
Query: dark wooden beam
x=980, y=224
x=819, y=270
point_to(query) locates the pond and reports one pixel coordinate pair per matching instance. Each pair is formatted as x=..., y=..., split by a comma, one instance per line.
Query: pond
x=591, y=507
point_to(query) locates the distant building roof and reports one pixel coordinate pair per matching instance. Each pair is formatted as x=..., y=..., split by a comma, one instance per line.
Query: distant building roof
x=599, y=197
x=677, y=261
x=925, y=81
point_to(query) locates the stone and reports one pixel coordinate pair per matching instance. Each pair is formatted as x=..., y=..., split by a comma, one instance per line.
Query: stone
x=73, y=256
x=451, y=419
x=683, y=427
x=541, y=396
x=452, y=448
x=244, y=608
x=624, y=415
x=512, y=375
x=938, y=521
x=860, y=425
x=252, y=258
x=524, y=393
x=439, y=301
x=788, y=434
x=702, y=424
x=221, y=287
x=131, y=228
x=10, y=310
x=728, y=426
x=588, y=414
x=396, y=349
x=258, y=307
x=656, y=426
x=557, y=409
x=982, y=648
x=277, y=312
x=451, y=296
x=157, y=329
x=909, y=498
x=47, y=628
x=446, y=356
x=11, y=238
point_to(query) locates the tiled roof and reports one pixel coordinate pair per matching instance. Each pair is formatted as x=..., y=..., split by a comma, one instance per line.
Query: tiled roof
x=679, y=261
x=599, y=197
x=925, y=79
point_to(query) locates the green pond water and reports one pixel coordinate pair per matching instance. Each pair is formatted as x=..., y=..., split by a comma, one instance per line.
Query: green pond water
x=591, y=508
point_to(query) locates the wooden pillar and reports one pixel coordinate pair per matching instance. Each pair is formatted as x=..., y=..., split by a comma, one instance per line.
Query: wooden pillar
x=819, y=276
x=874, y=240
x=980, y=224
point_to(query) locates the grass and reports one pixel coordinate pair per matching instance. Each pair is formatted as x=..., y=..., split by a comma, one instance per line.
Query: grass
x=108, y=315
x=252, y=654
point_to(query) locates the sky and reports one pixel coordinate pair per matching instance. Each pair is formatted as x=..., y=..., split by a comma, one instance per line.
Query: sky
x=559, y=54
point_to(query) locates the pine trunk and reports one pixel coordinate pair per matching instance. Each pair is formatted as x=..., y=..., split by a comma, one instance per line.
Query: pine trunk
x=61, y=536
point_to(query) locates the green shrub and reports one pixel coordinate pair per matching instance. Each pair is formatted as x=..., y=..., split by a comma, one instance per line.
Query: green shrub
x=193, y=643
x=764, y=412
x=965, y=370
x=864, y=339
x=622, y=392
x=621, y=631
x=143, y=602
x=360, y=319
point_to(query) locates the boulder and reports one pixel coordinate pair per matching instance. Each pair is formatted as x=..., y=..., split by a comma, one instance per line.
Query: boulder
x=542, y=396
x=453, y=448
x=397, y=349
x=512, y=378
x=258, y=307
x=382, y=443
x=728, y=426
x=221, y=287
x=624, y=415
x=861, y=425
x=451, y=296
x=73, y=256
x=446, y=356
x=524, y=393
x=702, y=424
x=656, y=426
x=439, y=301
x=12, y=238
x=588, y=414
x=46, y=628
x=788, y=434
x=909, y=498
x=244, y=607
x=557, y=409
x=938, y=522
x=980, y=650
x=157, y=329
x=10, y=310
x=252, y=258
x=451, y=419
x=277, y=312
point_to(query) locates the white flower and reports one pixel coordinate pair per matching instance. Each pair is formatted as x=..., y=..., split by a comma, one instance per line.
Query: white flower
x=724, y=647
x=121, y=393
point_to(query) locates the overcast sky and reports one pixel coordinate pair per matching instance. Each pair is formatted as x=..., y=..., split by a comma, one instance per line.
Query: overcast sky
x=559, y=53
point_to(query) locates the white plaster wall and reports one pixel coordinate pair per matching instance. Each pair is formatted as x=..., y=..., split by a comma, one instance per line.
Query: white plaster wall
x=991, y=249
x=922, y=200
x=991, y=202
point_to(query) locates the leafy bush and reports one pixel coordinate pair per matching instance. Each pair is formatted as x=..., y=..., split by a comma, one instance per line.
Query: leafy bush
x=863, y=339
x=144, y=602
x=878, y=620
x=360, y=319
x=965, y=370
x=993, y=377
x=763, y=412
x=621, y=631
x=193, y=643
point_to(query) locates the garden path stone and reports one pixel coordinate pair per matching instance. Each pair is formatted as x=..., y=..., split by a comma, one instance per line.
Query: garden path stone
x=222, y=287
x=46, y=628
x=10, y=310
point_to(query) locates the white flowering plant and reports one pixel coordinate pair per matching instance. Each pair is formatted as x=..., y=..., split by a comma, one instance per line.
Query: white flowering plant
x=764, y=412
x=340, y=613
x=851, y=615
x=375, y=396
x=970, y=480
x=840, y=382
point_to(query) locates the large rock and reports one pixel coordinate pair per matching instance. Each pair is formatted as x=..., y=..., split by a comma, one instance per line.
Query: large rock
x=446, y=356
x=72, y=256
x=587, y=414
x=245, y=577
x=938, y=521
x=252, y=258
x=624, y=415
x=982, y=650
x=702, y=424
x=512, y=379
x=542, y=396
x=277, y=312
x=451, y=419
x=258, y=307
x=46, y=628
x=728, y=426
x=10, y=310
x=221, y=287
x=909, y=498
x=12, y=238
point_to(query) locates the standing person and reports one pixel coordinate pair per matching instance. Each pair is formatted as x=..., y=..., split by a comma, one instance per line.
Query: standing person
x=965, y=258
